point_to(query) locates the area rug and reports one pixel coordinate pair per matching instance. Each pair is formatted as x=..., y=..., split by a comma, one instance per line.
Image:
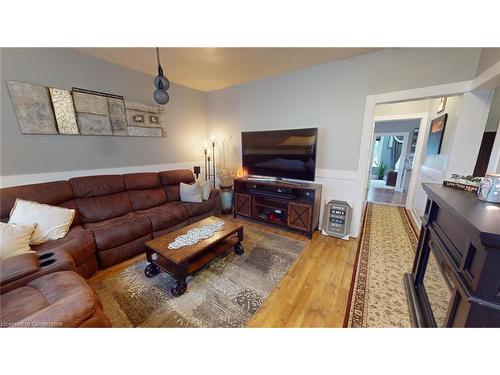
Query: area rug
x=225, y=293
x=386, y=252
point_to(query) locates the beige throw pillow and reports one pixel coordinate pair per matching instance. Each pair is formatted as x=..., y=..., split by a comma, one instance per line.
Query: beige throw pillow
x=190, y=193
x=51, y=222
x=206, y=187
x=15, y=239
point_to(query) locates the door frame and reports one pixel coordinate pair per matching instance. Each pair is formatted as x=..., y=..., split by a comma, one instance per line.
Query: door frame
x=418, y=159
x=368, y=129
x=490, y=78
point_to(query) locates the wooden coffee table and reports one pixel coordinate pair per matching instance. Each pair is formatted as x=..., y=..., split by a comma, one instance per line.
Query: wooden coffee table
x=182, y=262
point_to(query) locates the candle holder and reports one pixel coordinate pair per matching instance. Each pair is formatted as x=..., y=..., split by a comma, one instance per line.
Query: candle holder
x=210, y=162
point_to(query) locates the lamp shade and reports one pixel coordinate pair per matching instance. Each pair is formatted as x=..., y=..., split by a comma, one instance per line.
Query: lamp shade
x=165, y=83
x=161, y=96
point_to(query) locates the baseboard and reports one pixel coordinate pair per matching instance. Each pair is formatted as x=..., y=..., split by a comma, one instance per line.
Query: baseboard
x=416, y=220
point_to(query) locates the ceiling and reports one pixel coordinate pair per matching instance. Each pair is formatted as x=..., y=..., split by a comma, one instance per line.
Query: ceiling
x=208, y=69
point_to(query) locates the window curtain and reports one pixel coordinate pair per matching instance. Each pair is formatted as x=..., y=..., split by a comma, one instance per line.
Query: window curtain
x=397, y=148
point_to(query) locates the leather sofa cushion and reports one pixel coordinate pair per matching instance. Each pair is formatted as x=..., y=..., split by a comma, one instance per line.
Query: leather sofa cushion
x=115, y=255
x=79, y=243
x=201, y=208
x=141, y=181
x=57, y=193
x=171, y=180
x=100, y=197
x=144, y=199
x=105, y=207
x=17, y=267
x=166, y=215
x=145, y=190
x=119, y=230
x=94, y=186
x=61, y=299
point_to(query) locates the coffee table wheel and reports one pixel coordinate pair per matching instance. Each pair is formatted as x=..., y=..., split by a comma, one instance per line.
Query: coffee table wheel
x=179, y=289
x=238, y=248
x=151, y=270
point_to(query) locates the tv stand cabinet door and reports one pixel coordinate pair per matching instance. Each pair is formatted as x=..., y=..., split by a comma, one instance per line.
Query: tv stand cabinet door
x=242, y=204
x=300, y=216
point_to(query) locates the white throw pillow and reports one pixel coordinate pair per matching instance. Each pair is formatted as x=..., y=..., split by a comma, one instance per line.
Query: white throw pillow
x=15, y=239
x=206, y=187
x=51, y=222
x=190, y=193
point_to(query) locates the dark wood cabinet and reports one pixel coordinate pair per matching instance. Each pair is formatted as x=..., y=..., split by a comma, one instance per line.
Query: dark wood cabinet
x=299, y=215
x=292, y=205
x=242, y=204
x=392, y=177
x=455, y=280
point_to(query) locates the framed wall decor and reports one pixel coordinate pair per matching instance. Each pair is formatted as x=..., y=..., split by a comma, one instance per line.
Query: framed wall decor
x=154, y=119
x=442, y=104
x=51, y=110
x=436, y=134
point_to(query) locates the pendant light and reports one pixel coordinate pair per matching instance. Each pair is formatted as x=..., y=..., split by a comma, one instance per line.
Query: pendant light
x=162, y=84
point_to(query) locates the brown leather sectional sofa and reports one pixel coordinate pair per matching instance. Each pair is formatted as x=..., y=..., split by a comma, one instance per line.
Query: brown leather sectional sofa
x=115, y=215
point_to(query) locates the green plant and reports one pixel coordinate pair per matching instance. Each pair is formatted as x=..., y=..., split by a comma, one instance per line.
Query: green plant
x=469, y=178
x=381, y=169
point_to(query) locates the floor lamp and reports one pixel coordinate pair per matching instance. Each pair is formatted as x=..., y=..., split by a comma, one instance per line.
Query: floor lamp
x=210, y=162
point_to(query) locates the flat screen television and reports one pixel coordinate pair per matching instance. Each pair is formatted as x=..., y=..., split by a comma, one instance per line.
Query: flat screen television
x=289, y=154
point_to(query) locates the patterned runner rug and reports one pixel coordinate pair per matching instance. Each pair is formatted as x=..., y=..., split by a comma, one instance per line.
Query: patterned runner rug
x=225, y=293
x=386, y=252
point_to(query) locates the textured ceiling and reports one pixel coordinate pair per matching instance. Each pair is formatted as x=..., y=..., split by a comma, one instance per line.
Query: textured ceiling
x=209, y=69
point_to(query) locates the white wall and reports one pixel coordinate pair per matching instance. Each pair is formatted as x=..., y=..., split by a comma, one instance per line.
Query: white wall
x=433, y=167
x=439, y=162
x=332, y=97
x=494, y=115
x=470, y=127
x=403, y=108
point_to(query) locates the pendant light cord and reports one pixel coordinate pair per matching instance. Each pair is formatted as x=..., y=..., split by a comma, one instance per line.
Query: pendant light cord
x=160, y=69
x=158, y=55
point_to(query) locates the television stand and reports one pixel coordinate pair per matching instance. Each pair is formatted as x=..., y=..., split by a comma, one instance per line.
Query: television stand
x=292, y=206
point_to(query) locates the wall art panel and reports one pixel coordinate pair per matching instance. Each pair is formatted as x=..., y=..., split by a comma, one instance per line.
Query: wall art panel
x=64, y=111
x=88, y=103
x=142, y=131
x=33, y=108
x=42, y=110
x=117, y=116
x=91, y=124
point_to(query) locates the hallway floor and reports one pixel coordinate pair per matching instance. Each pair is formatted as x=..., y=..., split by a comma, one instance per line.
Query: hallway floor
x=387, y=196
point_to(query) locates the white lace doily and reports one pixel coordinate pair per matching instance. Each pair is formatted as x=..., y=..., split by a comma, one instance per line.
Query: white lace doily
x=194, y=235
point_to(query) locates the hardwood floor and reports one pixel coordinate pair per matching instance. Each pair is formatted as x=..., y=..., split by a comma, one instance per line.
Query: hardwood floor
x=388, y=196
x=315, y=290
x=313, y=293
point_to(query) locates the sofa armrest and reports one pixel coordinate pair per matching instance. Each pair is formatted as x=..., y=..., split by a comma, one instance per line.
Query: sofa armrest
x=17, y=267
x=54, y=261
x=215, y=196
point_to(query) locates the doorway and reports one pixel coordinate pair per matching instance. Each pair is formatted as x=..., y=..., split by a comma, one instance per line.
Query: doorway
x=393, y=150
